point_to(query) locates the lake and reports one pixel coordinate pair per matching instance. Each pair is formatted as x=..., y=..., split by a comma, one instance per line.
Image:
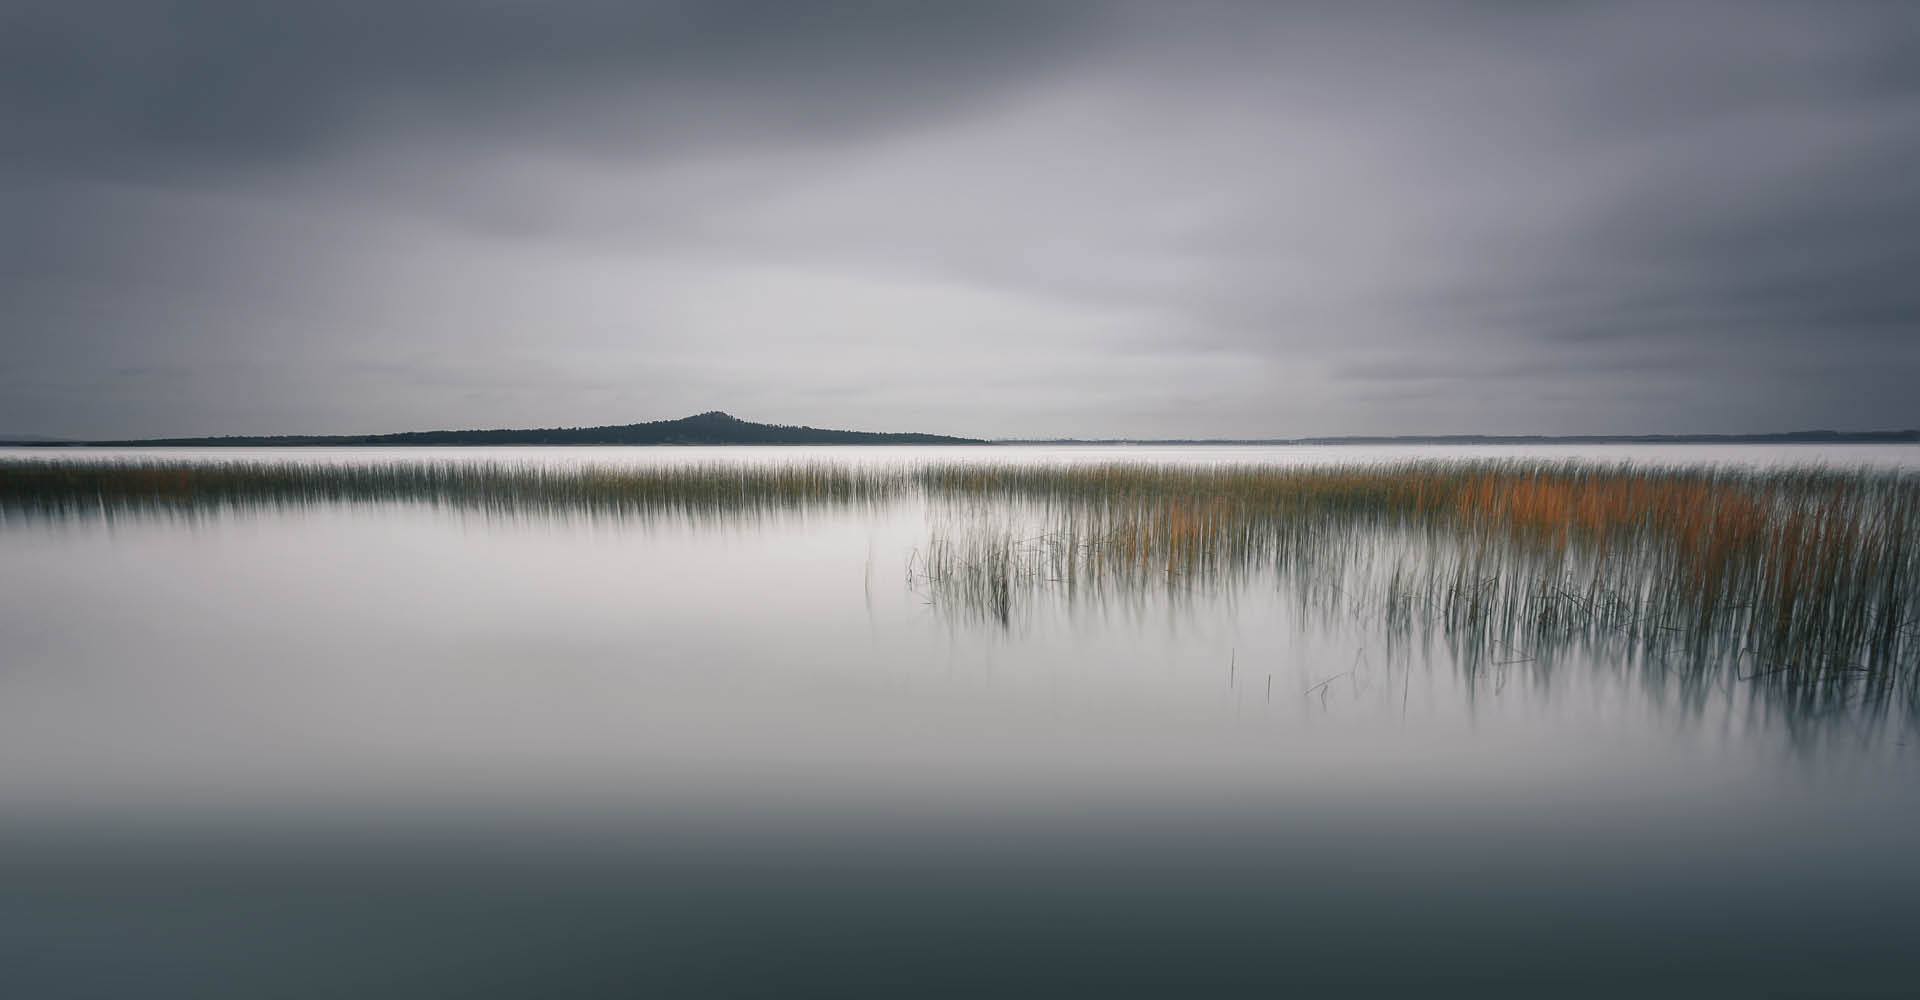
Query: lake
x=349, y=748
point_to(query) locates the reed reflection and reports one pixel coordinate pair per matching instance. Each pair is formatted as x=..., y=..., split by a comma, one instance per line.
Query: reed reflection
x=1797, y=584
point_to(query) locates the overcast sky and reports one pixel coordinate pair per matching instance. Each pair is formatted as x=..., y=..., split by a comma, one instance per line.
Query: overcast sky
x=1017, y=218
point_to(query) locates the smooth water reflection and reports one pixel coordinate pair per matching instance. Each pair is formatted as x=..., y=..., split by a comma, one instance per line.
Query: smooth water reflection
x=385, y=750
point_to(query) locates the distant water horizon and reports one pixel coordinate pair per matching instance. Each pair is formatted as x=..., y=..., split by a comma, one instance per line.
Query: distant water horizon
x=1845, y=455
x=717, y=427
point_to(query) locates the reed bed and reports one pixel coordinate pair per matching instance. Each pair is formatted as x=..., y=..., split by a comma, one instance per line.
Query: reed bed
x=49, y=488
x=1806, y=581
x=1804, y=578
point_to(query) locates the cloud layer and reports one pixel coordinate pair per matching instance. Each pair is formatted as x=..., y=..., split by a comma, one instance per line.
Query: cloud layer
x=1001, y=219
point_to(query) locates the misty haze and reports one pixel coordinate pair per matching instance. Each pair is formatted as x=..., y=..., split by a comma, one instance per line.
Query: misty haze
x=983, y=498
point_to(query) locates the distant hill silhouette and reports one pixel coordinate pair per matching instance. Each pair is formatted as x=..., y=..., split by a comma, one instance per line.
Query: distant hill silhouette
x=715, y=427
x=712, y=427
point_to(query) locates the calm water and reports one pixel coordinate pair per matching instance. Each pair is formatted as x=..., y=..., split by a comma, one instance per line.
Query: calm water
x=394, y=751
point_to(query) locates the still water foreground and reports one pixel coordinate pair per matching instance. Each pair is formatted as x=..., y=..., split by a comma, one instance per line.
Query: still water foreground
x=791, y=726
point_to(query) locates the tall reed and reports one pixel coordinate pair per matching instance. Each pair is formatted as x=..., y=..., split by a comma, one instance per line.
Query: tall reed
x=52, y=488
x=1804, y=580
x=1808, y=579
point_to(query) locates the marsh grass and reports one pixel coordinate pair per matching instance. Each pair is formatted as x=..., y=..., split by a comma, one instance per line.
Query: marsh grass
x=48, y=488
x=1800, y=581
x=1803, y=580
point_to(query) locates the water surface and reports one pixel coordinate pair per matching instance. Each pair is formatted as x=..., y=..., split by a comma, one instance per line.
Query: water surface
x=394, y=750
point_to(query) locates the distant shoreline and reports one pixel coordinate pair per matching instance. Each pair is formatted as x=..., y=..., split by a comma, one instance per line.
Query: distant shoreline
x=1788, y=437
x=701, y=429
x=715, y=429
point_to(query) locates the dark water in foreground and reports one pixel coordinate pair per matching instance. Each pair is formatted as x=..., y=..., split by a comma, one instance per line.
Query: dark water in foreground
x=1109, y=901
x=397, y=752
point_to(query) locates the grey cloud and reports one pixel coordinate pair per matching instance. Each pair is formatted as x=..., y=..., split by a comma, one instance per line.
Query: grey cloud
x=99, y=84
x=1161, y=220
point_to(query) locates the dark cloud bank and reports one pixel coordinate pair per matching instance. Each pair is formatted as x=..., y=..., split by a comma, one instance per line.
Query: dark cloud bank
x=996, y=219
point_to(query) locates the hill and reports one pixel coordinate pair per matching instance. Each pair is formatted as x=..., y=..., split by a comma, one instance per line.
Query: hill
x=710, y=428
